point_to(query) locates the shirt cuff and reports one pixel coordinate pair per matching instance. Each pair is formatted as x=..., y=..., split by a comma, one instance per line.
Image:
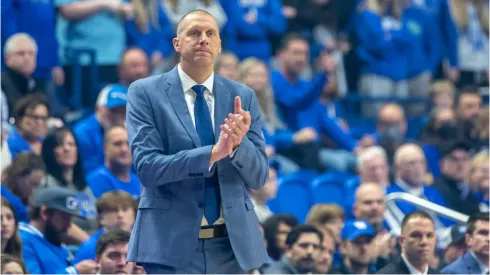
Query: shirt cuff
x=233, y=153
x=71, y=270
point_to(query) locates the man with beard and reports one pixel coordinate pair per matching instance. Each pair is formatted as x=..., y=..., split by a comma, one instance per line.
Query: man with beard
x=417, y=241
x=476, y=260
x=303, y=246
x=51, y=213
x=468, y=104
x=356, y=248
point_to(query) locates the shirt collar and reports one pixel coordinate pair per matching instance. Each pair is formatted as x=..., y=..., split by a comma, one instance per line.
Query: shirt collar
x=30, y=228
x=415, y=191
x=483, y=268
x=412, y=268
x=188, y=82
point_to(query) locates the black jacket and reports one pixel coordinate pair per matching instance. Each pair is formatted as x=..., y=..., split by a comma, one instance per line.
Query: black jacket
x=453, y=197
x=398, y=266
x=15, y=86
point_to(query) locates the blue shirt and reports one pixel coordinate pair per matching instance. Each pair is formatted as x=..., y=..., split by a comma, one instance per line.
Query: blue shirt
x=17, y=144
x=41, y=256
x=102, y=180
x=87, y=248
x=19, y=208
x=90, y=137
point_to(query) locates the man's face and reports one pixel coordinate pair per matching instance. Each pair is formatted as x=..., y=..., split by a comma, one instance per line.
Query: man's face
x=479, y=241
x=418, y=239
x=325, y=257
x=304, y=252
x=113, y=260
x=111, y=117
x=412, y=168
x=269, y=190
x=295, y=56
x=456, y=165
x=229, y=67
x=358, y=251
x=370, y=206
x=469, y=107
x=23, y=58
x=375, y=170
x=57, y=225
x=134, y=66
x=198, y=41
x=34, y=123
x=122, y=218
x=117, y=148
x=335, y=226
x=392, y=122
x=282, y=234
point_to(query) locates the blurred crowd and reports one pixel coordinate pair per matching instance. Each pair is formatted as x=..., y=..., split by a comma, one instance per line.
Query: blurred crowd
x=360, y=100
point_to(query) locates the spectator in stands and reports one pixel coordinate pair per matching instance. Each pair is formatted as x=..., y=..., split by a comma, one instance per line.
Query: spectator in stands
x=476, y=260
x=417, y=241
x=457, y=245
x=61, y=156
x=116, y=174
x=20, y=179
x=452, y=184
x=5, y=154
x=115, y=210
x=150, y=30
x=442, y=95
x=51, y=214
x=440, y=128
x=479, y=180
x=480, y=133
x=176, y=9
x=356, y=248
x=31, y=115
x=276, y=229
x=370, y=205
x=325, y=258
x=391, y=128
x=20, y=53
x=411, y=170
x=471, y=18
x=329, y=217
x=95, y=26
x=110, y=111
x=261, y=196
x=12, y=265
x=251, y=26
x=303, y=247
x=111, y=253
x=133, y=66
x=468, y=106
x=226, y=65
x=11, y=243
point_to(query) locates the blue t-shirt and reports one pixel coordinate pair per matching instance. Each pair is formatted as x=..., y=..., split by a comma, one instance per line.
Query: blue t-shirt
x=17, y=144
x=87, y=248
x=102, y=180
x=90, y=138
x=19, y=208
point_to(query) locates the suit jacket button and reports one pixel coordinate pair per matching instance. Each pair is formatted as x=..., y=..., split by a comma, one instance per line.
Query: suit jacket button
x=200, y=205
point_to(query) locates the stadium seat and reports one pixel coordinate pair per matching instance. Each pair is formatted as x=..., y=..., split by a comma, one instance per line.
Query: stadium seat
x=432, y=156
x=330, y=188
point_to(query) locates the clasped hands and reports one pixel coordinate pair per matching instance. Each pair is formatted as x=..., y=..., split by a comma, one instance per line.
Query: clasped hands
x=234, y=128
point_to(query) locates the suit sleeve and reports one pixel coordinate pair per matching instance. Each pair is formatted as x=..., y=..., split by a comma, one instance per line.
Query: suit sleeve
x=250, y=159
x=154, y=165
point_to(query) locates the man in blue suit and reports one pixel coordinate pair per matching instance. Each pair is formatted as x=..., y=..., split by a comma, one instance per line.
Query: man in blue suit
x=196, y=152
x=475, y=261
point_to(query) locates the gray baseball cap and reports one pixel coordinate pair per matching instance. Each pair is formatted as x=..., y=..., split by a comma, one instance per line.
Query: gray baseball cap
x=62, y=199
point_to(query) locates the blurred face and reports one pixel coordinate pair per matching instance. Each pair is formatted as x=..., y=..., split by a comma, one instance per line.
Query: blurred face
x=257, y=78
x=26, y=184
x=304, y=252
x=12, y=268
x=335, y=226
x=454, y=251
x=479, y=241
x=480, y=177
x=8, y=223
x=445, y=115
x=456, y=165
x=391, y=120
x=375, y=170
x=418, y=240
x=57, y=225
x=122, y=218
x=325, y=257
x=358, y=251
x=111, y=117
x=469, y=107
x=282, y=234
x=229, y=67
x=412, y=168
x=113, y=260
x=117, y=148
x=370, y=205
x=269, y=190
x=23, y=58
x=134, y=66
x=295, y=57
x=34, y=123
x=66, y=152
x=198, y=41
x=444, y=100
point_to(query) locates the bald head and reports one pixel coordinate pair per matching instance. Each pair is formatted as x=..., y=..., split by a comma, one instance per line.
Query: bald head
x=391, y=110
x=192, y=16
x=410, y=164
x=391, y=116
x=370, y=204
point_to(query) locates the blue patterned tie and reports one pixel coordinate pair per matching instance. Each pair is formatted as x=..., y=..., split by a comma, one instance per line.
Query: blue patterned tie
x=204, y=128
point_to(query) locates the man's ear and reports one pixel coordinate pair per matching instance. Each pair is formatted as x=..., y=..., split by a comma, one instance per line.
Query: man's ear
x=43, y=213
x=176, y=44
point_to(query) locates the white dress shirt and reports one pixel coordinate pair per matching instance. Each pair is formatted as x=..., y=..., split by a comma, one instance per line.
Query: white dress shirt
x=412, y=268
x=483, y=268
x=190, y=99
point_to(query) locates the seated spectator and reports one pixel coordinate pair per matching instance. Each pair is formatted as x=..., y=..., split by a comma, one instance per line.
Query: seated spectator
x=442, y=95
x=12, y=265
x=276, y=229
x=480, y=133
x=134, y=65
x=303, y=247
x=61, y=155
x=11, y=243
x=226, y=65
x=20, y=53
x=5, y=154
x=116, y=174
x=357, y=248
x=440, y=128
x=410, y=173
x=325, y=258
x=31, y=115
x=476, y=260
x=111, y=254
x=457, y=245
x=468, y=106
x=51, y=213
x=417, y=241
x=115, y=210
x=327, y=216
x=479, y=179
x=176, y=9
x=261, y=196
x=19, y=181
x=391, y=128
x=452, y=184
x=110, y=111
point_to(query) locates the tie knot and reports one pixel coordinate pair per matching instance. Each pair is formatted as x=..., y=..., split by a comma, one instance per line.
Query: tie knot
x=199, y=89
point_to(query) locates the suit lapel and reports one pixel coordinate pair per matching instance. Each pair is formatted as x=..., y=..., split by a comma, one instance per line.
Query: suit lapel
x=221, y=105
x=471, y=264
x=177, y=99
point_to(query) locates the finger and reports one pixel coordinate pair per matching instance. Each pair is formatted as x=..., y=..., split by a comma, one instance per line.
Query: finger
x=232, y=126
x=238, y=121
x=247, y=118
x=238, y=105
x=226, y=130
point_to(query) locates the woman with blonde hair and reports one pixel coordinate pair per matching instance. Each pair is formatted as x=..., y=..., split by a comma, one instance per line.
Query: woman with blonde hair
x=479, y=179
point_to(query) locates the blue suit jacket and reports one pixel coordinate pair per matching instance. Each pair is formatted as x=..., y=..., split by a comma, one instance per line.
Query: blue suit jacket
x=465, y=264
x=172, y=167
